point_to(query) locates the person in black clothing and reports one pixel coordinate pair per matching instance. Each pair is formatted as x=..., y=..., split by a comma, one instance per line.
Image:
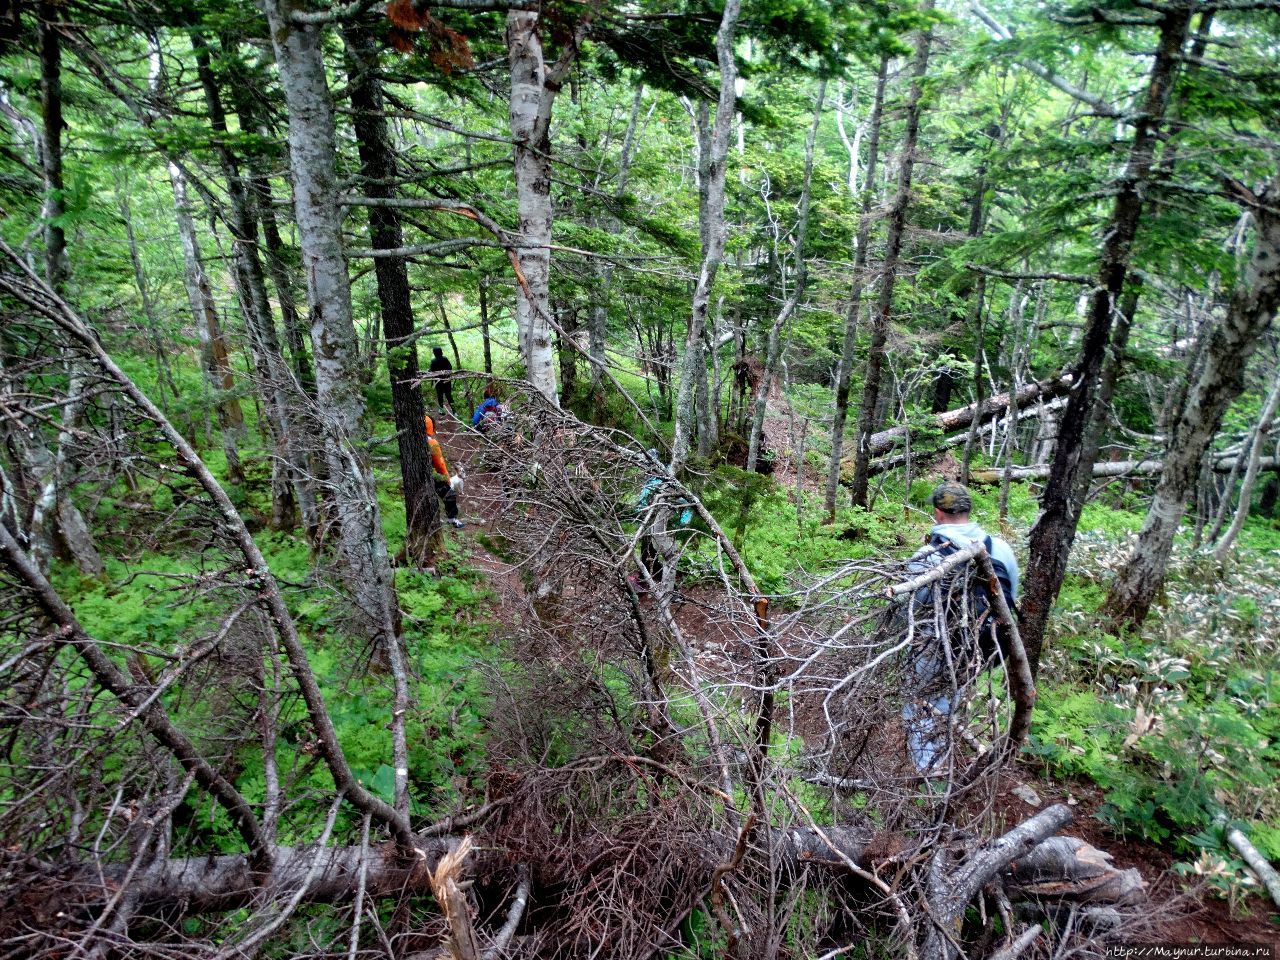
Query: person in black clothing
x=444, y=386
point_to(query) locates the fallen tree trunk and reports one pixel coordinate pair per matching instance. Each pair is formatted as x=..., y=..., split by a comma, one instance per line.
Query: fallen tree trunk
x=1065, y=868
x=215, y=883
x=883, y=441
x=1116, y=468
x=922, y=450
x=1031, y=862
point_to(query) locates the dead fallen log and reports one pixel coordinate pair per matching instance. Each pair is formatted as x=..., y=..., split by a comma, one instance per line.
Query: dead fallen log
x=1065, y=868
x=226, y=882
x=1031, y=863
x=217, y=883
x=925, y=449
x=1253, y=857
x=960, y=418
x=1109, y=468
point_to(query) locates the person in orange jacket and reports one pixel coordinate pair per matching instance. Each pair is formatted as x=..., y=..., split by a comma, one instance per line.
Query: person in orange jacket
x=447, y=487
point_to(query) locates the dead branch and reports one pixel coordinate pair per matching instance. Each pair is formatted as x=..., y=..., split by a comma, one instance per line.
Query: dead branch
x=445, y=884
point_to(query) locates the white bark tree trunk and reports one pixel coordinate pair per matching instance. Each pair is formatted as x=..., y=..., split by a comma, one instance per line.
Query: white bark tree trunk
x=797, y=291
x=1252, y=307
x=335, y=346
x=1265, y=420
x=533, y=93
x=713, y=234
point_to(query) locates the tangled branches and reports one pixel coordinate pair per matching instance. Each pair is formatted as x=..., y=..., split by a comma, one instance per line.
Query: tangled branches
x=673, y=758
x=663, y=712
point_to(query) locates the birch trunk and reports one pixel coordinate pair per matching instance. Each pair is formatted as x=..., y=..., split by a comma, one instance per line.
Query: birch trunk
x=1123, y=468
x=711, y=222
x=893, y=247
x=533, y=93
x=1263, y=429
x=1252, y=307
x=366, y=567
x=1055, y=529
x=1223, y=507
x=793, y=301
x=844, y=371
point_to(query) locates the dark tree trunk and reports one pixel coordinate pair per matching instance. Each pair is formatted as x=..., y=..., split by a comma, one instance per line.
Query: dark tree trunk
x=377, y=166
x=568, y=356
x=893, y=247
x=55, y=238
x=1055, y=529
x=484, y=325
x=1270, y=497
x=943, y=386
x=292, y=495
x=1107, y=388
x=1252, y=308
x=55, y=519
x=946, y=379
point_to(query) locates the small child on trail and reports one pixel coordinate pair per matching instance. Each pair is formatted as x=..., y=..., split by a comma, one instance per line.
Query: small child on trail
x=447, y=487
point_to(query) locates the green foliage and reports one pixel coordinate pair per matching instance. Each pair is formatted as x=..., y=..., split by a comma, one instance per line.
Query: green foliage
x=145, y=604
x=760, y=516
x=1177, y=724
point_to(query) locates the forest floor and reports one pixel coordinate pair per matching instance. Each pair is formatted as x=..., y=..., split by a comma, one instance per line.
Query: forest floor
x=1186, y=913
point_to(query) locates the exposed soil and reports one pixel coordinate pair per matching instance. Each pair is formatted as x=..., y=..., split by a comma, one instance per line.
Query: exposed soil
x=1185, y=914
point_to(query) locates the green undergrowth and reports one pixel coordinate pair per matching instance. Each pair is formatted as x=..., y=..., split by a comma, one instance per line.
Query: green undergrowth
x=1179, y=723
x=153, y=605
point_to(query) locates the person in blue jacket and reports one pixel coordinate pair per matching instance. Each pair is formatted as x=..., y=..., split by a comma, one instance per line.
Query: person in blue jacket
x=490, y=413
x=649, y=540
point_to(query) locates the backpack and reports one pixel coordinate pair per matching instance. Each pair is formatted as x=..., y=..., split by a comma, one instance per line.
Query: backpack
x=991, y=633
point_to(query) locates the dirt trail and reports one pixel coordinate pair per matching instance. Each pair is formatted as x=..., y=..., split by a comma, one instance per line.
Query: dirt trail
x=480, y=502
x=710, y=621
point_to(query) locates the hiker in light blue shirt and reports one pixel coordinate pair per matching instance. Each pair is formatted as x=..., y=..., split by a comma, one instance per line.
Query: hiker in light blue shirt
x=926, y=710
